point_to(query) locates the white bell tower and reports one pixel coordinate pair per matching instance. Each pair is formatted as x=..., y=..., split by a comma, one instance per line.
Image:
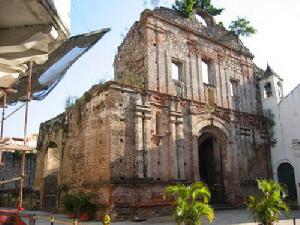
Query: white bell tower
x=270, y=89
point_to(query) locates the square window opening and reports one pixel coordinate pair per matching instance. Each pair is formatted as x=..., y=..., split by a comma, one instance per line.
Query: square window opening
x=177, y=68
x=207, y=72
x=234, y=88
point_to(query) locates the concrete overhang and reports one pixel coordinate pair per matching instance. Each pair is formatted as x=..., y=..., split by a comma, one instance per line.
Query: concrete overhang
x=29, y=31
x=47, y=75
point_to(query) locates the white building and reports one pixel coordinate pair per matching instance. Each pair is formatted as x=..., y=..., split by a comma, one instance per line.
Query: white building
x=284, y=132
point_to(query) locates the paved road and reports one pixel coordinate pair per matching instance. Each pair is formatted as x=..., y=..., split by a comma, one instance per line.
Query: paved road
x=222, y=217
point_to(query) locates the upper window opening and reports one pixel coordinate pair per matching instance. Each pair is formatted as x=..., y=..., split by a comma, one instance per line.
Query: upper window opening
x=268, y=90
x=205, y=73
x=176, y=70
x=233, y=87
x=201, y=20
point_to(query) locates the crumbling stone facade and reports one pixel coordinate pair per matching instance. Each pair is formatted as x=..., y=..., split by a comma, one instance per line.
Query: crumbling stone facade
x=126, y=140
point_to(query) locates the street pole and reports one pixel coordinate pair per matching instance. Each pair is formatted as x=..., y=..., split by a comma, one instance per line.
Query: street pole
x=25, y=137
x=2, y=121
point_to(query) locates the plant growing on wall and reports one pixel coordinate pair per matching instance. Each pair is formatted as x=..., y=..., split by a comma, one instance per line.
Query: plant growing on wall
x=187, y=7
x=241, y=26
x=70, y=102
x=134, y=80
x=190, y=203
x=266, y=206
x=269, y=120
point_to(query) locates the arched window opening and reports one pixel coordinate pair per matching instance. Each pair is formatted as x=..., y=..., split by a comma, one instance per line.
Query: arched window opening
x=158, y=124
x=268, y=90
x=201, y=20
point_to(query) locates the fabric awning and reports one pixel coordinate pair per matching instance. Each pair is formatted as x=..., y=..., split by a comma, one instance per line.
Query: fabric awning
x=46, y=76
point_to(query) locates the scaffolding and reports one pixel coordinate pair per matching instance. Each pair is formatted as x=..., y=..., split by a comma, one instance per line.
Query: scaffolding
x=36, y=85
x=23, y=149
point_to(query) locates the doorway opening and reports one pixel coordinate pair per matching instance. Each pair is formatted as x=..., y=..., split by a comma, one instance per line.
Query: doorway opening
x=50, y=174
x=211, y=165
x=286, y=177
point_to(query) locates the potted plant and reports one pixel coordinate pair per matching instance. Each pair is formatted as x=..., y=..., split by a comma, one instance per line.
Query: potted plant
x=70, y=203
x=87, y=207
x=266, y=206
x=190, y=203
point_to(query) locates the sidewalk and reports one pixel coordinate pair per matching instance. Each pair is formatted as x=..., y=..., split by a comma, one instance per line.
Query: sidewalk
x=222, y=217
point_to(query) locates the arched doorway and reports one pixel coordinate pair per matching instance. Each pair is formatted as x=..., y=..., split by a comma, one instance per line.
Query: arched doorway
x=211, y=144
x=50, y=174
x=286, y=176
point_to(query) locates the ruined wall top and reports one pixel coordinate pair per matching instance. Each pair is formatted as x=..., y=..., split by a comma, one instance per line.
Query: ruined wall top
x=212, y=31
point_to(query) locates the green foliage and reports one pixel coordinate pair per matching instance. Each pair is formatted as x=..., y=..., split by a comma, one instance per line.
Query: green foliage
x=269, y=120
x=242, y=27
x=134, y=80
x=80, y=202
x=221, y=24
x=187, y=7
x=70, y=203
x=207, y=6
x=17, y=155
x=190, y=203
x=266, y=207
x=70, y=102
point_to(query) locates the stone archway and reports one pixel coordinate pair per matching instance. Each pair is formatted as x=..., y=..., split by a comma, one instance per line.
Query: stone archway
x=50, y=176
x=211, y=148
x=286, y=176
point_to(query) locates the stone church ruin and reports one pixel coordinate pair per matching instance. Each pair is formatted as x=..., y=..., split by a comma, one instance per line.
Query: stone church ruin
x=183, y=107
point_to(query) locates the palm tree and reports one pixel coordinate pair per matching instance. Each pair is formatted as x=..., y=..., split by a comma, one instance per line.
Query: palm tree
x=266, y=207
x=190, y=203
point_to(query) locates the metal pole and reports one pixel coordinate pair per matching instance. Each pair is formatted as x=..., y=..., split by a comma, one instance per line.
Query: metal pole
x=294, y=220
x=2, y=121
x=3, y=114
x=25, y=137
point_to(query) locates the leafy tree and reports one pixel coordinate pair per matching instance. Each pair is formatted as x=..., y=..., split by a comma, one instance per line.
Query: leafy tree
x=70, y=101
x=221, y=24
x=190, y=203
x=266, y=207
x=242, y=27
x=187, y=7
x=207, y=6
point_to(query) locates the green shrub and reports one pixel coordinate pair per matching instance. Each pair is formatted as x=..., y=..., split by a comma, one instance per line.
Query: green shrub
x=190, y=203
x=266, y=206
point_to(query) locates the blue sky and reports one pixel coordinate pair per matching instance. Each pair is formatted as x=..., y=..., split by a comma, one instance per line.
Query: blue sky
x=276, y=42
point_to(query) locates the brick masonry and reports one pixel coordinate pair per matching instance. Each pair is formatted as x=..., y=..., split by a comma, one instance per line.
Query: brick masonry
x=126, y=140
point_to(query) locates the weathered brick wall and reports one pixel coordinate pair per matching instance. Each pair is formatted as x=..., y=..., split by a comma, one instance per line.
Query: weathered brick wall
x=127, y=143
x=114, y=166
x=164, y=35
x=83, y=137
x=132, y=72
